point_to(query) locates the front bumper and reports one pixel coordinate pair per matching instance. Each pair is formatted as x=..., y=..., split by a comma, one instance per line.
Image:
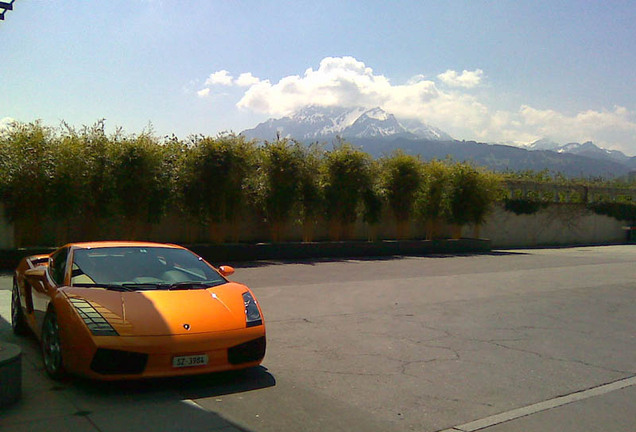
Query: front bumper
x=133, y=357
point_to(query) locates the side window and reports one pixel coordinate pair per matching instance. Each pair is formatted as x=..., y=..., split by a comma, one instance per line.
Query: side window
x=57, y=266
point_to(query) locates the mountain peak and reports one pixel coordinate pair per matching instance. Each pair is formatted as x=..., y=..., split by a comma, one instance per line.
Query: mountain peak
x=544, y=144
x=314, y=122
x=588, y=149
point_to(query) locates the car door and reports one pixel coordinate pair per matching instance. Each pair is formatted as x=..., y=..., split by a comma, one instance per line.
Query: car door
x=43, y=292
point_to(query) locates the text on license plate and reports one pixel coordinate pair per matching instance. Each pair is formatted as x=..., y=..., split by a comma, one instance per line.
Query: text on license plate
x=188, y=361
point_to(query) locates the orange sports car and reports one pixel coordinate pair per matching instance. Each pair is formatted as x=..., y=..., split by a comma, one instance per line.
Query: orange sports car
x=124, y=310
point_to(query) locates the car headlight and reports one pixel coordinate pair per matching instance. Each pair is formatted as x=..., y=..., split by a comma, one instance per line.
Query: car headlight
x=252, y=314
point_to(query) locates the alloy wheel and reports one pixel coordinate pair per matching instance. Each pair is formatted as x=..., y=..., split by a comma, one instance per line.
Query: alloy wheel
x=51, y=347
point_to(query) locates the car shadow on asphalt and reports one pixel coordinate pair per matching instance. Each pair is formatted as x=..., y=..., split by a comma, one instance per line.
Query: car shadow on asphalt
x=188, y=387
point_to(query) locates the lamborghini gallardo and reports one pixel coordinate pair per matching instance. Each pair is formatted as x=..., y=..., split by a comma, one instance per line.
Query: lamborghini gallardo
x=127, y=310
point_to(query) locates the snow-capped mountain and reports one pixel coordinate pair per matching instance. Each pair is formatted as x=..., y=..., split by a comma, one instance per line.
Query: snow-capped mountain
x=379, y=134
x=324, y=123
x=543, y=144
x=588, y=149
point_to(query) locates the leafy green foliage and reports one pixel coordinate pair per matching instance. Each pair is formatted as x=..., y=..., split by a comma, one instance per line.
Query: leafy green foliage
x=26, y=165
x=401, y=179
x=83, y=178
x=472, y=194
x=279, y=181
x=214, y=178
x=622, y=211
x=140, y=191
x=523, y=206
x=346, y=176
x=311, y=197
x=433, y=200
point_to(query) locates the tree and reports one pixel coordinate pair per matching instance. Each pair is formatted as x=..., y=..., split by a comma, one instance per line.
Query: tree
x=68, y=184
x=472, y=194
x=345, y=178
x=311, y=196
x=215, y=178
x=432, y=201
x=280, y=183
x=26, y=165
x=99, y=195
x=402, y=178
x=138, y=181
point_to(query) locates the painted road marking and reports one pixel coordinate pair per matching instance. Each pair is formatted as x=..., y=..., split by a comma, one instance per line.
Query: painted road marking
x=543, y=406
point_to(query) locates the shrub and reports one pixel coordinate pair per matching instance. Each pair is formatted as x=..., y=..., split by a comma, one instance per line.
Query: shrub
x=139, y=187
x=472, y=194
x=622, y=211
x=69, y=185
x=26, y=165
x=279, y=183
x=432, y=203
x=311, y=196
x=401, y=179
x=215, y=178
x=520, y=206
x=345, y=178
x=97, y=196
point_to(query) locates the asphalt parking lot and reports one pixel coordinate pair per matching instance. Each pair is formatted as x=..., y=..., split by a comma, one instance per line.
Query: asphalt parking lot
x=523, y=340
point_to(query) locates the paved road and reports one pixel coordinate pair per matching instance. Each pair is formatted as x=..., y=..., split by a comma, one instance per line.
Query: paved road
x=525, y=340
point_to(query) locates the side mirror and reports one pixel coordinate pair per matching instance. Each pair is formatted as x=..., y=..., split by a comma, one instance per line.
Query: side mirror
x=36, y=274
x=226, y=270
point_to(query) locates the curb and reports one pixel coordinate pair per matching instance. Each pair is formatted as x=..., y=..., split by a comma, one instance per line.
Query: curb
x=224, y=252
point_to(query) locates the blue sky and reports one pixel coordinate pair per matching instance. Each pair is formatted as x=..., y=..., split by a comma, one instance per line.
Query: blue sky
x=494, y=71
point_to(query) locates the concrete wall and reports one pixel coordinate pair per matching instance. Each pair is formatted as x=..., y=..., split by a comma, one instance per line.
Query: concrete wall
x=558, y=224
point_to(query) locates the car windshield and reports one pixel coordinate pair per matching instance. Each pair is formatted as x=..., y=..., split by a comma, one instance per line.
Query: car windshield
x=142, y=268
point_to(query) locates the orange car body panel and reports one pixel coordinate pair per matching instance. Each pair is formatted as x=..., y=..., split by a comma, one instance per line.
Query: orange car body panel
x=160, y=324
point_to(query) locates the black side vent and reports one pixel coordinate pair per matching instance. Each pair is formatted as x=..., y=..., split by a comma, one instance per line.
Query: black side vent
x=247, y=352
x=115, y=362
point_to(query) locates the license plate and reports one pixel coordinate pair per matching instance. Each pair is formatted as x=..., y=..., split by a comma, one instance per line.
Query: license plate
x=189, y=361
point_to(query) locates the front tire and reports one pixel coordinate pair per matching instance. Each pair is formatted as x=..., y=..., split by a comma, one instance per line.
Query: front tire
x=52, y=347
x=18, y=321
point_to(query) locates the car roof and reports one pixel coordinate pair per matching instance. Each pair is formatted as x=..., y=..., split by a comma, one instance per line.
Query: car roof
x=119, y=243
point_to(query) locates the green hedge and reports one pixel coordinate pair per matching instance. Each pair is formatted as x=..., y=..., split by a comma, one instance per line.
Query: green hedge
x=62, y=174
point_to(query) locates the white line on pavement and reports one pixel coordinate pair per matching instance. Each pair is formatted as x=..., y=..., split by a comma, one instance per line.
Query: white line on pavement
x=543, y=406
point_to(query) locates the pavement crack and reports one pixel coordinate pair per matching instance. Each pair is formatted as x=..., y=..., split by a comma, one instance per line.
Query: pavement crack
x=559, y=359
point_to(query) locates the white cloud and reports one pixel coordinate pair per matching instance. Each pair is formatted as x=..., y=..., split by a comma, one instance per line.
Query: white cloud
x=611, y=129
x=467, y=79
x=246, y=80
x=221, y=77
x=444, y=102
x=204, y=92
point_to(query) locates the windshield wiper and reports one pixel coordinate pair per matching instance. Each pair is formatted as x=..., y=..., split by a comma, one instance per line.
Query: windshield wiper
x=132, y=286
x=113, y=287
x=194, y=285
x=143, y=285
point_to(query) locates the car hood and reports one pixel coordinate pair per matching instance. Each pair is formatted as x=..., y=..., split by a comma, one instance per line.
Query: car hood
x=164, y=313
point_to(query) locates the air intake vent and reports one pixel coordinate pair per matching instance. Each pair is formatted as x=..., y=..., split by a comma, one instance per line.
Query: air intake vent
x=247, y=352
x=115, y=362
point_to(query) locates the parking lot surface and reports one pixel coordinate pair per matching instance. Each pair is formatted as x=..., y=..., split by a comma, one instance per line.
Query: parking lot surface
x=523, y=340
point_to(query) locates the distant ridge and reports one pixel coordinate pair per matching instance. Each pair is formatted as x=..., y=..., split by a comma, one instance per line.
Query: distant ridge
x=313, y=123
x=380, y=133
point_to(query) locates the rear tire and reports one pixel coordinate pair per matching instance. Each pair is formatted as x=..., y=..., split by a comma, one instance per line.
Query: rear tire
x=18, y=321
x=52, y=347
